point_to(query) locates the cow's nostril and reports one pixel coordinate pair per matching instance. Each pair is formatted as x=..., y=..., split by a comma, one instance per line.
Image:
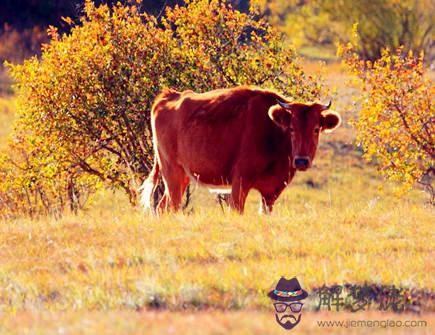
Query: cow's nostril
x=301, y=162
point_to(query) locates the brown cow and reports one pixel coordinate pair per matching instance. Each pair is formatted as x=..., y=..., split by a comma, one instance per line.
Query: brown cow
x=242, y=138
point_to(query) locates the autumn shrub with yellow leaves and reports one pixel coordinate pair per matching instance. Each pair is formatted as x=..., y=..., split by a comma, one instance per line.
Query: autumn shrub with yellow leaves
x=396, y=122
x=84, y=106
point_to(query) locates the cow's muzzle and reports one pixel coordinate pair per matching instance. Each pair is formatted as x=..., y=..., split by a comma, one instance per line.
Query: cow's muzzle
x=301, y=163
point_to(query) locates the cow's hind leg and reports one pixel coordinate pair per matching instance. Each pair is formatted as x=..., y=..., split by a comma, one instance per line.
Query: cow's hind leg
x=163, y=204
x=176, y=181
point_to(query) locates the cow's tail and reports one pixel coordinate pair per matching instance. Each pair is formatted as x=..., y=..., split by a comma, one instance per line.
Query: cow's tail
x=149, y=186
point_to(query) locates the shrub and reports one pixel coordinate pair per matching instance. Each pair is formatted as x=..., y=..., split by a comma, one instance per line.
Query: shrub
x=17, y=45
x=88, y=98
x=396, y=123
x=34, y=182
x=381, y=23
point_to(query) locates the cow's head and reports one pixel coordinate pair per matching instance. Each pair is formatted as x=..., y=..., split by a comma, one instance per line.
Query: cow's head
x=303, y=124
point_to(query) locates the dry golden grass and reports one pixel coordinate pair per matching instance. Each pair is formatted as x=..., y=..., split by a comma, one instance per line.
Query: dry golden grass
x=329, y=227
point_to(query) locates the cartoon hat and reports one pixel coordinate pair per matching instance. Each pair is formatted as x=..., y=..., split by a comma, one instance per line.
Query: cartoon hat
x=288, y=290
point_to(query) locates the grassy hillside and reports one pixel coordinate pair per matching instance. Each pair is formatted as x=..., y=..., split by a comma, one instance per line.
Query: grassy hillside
x=115, y=268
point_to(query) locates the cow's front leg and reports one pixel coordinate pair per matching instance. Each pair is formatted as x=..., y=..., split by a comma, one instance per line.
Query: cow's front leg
x=239, y=191
x=268, y=199
x=266, y=205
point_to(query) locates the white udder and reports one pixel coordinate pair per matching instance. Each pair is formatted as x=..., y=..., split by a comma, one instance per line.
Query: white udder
x=224, y=189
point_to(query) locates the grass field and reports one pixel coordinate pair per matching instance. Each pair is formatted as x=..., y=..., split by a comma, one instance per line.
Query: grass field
x=115, y=270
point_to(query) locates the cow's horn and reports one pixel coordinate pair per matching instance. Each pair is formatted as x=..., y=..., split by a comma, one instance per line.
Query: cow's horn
x=283, y=104
x=328, y=105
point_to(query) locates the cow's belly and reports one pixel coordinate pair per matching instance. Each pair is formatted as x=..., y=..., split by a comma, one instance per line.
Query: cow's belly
x=212, y=178
x=208, y=155
x=214, y=186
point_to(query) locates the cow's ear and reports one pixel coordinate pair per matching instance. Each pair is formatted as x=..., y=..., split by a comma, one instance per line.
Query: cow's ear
x=280, y=116
x=329, y=121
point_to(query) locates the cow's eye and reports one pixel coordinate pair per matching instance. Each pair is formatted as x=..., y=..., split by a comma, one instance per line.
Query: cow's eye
x=316, y=131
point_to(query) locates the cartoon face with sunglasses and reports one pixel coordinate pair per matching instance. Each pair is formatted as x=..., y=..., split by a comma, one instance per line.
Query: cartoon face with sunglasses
x=287, y=296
